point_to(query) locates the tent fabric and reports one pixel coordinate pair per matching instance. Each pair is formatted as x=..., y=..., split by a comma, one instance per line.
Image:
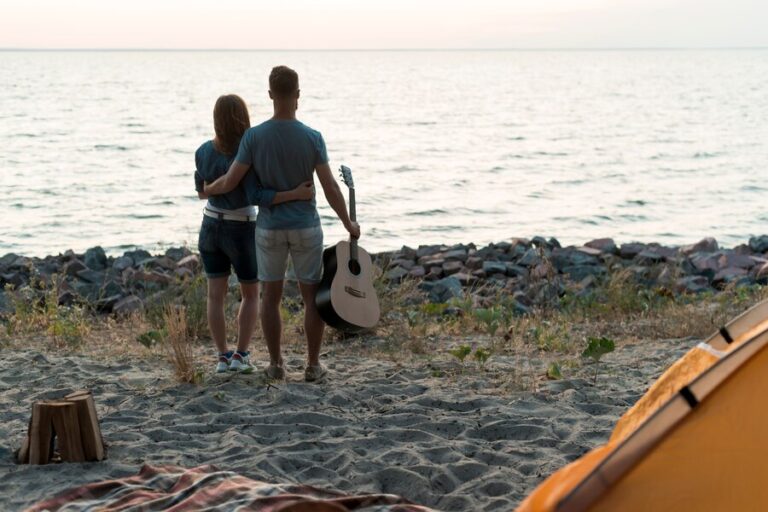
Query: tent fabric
x=672, y=448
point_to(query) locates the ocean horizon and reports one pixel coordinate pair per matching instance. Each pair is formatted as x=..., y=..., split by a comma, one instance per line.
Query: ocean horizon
x=446, y=146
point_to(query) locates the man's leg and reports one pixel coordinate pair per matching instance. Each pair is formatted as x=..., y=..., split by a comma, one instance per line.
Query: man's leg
x=313, y=324
x=217, y=291
x=271, y=323
x=248, y=314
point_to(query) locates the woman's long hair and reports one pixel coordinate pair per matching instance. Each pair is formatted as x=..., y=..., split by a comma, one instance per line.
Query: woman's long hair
x=230, y=120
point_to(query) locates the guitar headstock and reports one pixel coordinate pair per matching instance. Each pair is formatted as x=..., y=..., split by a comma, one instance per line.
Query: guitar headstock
x=346, y=176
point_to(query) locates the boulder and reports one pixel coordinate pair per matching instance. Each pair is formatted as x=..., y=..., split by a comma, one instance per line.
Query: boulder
x=452, y=267
x=708, y=244
x=91, y=276
x=14, y=279
x=128, y=305
x=183, y=273
x=138, y=255
x=604, y=245
x=630, y=250
x=474, y=263
x=111, y=288
x=759, y=244
x=106, y=304
x=649, y=257
x=531, y=258
x=396, y=274
x=578, y=273
x=516, y=271
x=95, y=258
x=571, y=256
x=73, y=267
x=456, y=255
x=732, y=259
x=494, y=267
x=121, y=263
x=192, y=262
x=466, y=279
x=434, y=273
x=406, y=264
x=417, y=272
x=728, y=275
x=177, y=253
x=8, y=259
x=427, y=250
x=445, y=289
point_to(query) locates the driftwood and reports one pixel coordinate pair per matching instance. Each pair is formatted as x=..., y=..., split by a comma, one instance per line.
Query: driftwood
x=66, y=429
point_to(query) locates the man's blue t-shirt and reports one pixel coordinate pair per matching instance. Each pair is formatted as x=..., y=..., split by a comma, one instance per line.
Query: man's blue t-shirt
x=283, y=153
x=211, y=164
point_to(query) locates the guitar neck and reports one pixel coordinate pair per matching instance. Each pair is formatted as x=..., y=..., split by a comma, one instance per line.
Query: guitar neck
x=353, y=218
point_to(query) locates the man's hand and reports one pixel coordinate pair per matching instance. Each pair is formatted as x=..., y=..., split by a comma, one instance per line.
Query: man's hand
x=305, y=191
x=354, y=229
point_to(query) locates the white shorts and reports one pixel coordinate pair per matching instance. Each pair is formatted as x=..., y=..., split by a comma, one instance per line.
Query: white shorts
x=305, y=246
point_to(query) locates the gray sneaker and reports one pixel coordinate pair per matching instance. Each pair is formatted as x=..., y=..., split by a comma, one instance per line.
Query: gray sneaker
x=240, y=363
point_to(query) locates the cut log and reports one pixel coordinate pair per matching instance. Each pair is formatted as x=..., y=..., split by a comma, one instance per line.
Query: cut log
x=66, y=427
x=41, y=434
x=90, y=433
x=70, y=426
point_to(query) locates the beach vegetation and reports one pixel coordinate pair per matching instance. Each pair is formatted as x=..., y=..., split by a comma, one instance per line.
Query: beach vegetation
x=553, y=371
x=179, y=345
x=596, y=348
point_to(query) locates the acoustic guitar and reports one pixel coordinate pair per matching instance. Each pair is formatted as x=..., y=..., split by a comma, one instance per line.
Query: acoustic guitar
x=346, y=299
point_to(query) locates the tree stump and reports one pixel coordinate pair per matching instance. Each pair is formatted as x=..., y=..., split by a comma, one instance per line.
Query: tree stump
x=68, y=427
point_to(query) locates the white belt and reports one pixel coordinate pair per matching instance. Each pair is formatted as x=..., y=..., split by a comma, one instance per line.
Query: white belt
x=228, y=216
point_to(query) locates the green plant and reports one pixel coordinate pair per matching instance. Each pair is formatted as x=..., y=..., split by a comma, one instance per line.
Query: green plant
x=481, y=355
x=151, y=338
x=553, y=371
x=461, y=352
x=490, y=317
x=596, y=349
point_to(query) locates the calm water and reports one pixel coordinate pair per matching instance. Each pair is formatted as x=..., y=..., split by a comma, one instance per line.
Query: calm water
x=670, y=146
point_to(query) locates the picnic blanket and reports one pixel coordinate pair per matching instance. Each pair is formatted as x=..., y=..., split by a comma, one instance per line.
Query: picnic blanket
x=206, y=488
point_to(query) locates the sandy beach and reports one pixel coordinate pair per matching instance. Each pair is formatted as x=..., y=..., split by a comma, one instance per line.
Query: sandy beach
x=442, y=434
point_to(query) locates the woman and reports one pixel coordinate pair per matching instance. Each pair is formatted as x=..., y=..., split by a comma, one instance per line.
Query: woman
x=227, y=233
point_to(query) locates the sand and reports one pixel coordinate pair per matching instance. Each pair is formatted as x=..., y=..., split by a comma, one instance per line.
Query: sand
x=443, y=437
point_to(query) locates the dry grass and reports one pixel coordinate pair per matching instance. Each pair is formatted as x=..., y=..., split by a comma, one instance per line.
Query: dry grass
x=181, y=352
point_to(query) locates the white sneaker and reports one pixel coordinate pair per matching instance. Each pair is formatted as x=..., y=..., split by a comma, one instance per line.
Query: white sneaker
x=224, y=359
x=240, y=363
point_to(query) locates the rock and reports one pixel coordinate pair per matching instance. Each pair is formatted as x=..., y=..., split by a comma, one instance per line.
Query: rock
x=66, y=298
x=73, y=267
x=91, y=276
x=519, y=309
x=736, y=260
x=434, y=273
x=465, y=279
x=8, y=259
x=604, y=245
x=705, y=263
x=183, y=273
x=452, y=267
x=15, y=279
x=494, y=267
x=151, y=277
x=406, y=264
x=128, y=305
x=95, y=258
x=138, y=255
x=708, y=244
x=431, y=261
x=427, y=250
x=759, y=244
x=762, y=274
x=417, y=272
x=122, y=263
x=649, y=257
x=629, y=251
x=192, y=262
x=88, y=291
x=516, y=271
x=177, y=253
x=106, y=304
x=474, y=263
x=580, y=272
x=590, y=251
x=728, y=275
x=456, y=254
x=396, y=274
x=5, y=304
x=111, y=288
x=407, y=253
x=446, y=289
x=570, y=256
x=531, y=258
x=163, y=262
x=479, y=273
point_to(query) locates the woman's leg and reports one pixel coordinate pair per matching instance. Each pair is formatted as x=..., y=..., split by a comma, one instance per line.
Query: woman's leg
x=217, y=292
x=248, y=315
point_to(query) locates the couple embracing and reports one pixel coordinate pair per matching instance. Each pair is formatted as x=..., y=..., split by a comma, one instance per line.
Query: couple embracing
x=271, y=166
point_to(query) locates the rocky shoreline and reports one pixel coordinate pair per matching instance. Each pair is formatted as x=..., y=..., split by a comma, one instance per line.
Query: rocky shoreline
x=529, y=274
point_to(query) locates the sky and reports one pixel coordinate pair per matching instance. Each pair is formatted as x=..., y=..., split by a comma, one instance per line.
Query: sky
x=389, y=24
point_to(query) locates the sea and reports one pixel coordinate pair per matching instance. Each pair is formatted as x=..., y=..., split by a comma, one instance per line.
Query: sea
x=97, y=147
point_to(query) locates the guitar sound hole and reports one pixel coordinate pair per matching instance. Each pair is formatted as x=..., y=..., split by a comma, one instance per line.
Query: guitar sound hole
x=354, y=267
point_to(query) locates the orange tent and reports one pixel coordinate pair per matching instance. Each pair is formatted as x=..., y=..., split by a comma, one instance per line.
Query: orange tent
x=695, y=441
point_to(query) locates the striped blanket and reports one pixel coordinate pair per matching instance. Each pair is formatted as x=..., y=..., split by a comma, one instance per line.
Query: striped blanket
x=206, y=488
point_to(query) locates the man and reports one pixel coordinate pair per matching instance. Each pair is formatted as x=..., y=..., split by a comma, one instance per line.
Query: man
x=284, y=153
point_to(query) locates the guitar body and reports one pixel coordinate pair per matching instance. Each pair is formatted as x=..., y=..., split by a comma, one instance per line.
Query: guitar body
x=346, y=298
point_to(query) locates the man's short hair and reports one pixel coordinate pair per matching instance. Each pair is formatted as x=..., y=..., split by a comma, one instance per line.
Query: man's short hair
x=283, y=81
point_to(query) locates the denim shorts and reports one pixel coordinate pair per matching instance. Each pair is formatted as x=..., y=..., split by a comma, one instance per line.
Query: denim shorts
x=224, y=244
x=305, y=247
